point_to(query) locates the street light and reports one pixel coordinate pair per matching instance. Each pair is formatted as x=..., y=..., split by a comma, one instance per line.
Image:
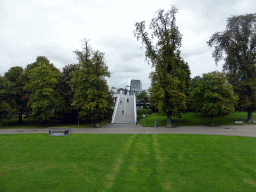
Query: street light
x=144, y=119
x=243, y=112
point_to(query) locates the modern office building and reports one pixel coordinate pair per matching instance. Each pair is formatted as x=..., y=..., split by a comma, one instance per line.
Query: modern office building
x=136, y=86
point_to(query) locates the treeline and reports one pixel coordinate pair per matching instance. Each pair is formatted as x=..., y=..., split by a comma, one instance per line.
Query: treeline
x=172, y=92
x=41, y=91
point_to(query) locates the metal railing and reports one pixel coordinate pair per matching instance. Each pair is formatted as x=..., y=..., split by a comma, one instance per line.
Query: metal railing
x=135, y=109
x=114, y=113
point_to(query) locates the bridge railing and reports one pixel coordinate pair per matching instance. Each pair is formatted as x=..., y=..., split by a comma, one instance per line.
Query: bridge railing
x=135, y=109
x=114, y=113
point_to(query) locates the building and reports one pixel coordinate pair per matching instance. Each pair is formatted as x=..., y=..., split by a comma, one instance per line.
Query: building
x=135, y=87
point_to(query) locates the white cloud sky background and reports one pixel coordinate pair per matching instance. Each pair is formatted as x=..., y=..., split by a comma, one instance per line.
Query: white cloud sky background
x=55, y=28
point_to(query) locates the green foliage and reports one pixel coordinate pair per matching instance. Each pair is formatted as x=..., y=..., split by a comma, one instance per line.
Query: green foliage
x=7, y=95
x=43, y=100
x=66, y=91
x=142, y=99
x=170, y=81
x=213, y=95
x=92, y=96
x=191, y=106
x=19, y=98
x=237, y=46
x=141, y=112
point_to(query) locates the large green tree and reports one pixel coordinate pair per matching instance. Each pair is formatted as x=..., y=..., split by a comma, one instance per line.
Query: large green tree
x=237, y=47
x=19, y=97
x=66, y=90
x=44, y=101
x=6, y=94
x=92, y=97
x=213, y=95
x=168, y=87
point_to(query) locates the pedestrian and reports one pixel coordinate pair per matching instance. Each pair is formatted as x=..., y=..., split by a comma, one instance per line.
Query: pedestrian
x=136, y=121
x=127, y=100
x=121, y=102
x=156, y=124
x=122, y=112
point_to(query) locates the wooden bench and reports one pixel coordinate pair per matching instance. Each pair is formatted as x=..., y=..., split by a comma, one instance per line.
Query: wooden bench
x=239, y=122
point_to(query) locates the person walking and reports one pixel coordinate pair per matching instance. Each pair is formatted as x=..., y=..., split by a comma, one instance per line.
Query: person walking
x=122, y=112
x=156, y=124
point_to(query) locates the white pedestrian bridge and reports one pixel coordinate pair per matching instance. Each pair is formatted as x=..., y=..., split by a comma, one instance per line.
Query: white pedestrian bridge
x=125, y=109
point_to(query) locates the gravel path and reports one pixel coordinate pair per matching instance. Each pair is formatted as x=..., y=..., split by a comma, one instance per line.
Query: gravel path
x=232, y=130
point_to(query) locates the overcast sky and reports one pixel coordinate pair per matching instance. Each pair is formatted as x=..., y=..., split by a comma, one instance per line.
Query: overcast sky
x=55, y=28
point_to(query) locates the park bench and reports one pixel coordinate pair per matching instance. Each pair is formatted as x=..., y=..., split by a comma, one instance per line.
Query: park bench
x=59, y=131
x=239, y=122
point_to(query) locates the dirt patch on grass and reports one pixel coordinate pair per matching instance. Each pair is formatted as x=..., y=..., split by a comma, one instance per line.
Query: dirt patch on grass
x=167, y=185
x=156, y=148
x=111, y=177
x=250, y=181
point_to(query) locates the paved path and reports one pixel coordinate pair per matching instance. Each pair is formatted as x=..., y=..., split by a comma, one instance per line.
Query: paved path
x=232, y=130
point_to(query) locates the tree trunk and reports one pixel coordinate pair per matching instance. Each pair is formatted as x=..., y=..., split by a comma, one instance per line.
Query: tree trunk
x=169, y=119
x=249, y=114
x=20, y=118
x=212, y=119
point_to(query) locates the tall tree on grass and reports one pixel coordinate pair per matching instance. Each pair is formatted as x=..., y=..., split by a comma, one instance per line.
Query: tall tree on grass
x=169, y=79
x=44, y=101
x=92, y=97
x=66, y=91
x=213, y=95
x=6, y=94
x=19, y=97
x=237, y=46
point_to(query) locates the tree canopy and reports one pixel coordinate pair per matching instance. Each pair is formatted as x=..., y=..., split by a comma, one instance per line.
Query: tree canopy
x=43, y=100
x=213, y=95
x=91, y=93
x=237, y=47
x=19, y=98
x=142, y=99
x=168, y=81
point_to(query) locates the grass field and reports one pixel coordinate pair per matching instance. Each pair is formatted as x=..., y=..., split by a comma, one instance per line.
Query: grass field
x=193, y=119
x=91, y=162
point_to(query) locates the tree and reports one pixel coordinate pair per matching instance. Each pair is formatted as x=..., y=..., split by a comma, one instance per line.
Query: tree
x=213, y=95
x=43, y=100
x=66, y=91
x=92, y=97
x=193, y=84
x=237, y=47
x=142, y=99
x=6, y=93
x=168, y=82
x=19, y=97
x=28, y=81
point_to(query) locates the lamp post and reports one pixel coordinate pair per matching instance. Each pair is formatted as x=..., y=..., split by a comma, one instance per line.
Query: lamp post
x=144, y=119
x=243, y=111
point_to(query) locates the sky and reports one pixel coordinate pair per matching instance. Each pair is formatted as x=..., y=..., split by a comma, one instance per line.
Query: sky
x=56, y=28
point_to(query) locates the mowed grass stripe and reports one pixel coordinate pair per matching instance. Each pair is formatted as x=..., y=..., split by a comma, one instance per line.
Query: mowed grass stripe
x=112, y=176
x=139, y=171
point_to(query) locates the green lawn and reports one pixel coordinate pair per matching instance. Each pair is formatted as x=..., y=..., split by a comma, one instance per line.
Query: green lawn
x=92, y=162
x=190, y=118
